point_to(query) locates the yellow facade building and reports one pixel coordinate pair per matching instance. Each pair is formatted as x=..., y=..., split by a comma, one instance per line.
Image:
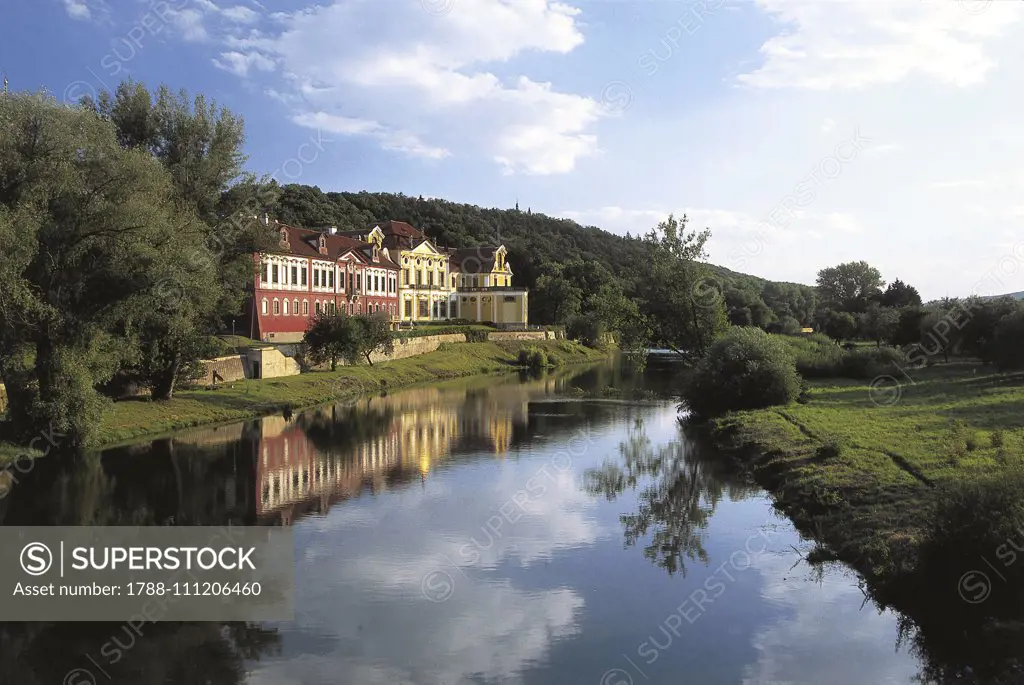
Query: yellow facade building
x=437, y=284
x=484, y=290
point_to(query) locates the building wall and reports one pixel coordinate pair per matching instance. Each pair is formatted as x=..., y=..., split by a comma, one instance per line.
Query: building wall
x=308, y=289
x=269, y=363
x=490, y=305
x=426, y=278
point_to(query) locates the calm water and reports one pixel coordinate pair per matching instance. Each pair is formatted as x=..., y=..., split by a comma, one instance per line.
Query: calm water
x=511, y=530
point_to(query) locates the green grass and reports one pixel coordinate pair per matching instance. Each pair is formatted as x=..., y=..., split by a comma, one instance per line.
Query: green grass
x=870, y=503
x=129, y=420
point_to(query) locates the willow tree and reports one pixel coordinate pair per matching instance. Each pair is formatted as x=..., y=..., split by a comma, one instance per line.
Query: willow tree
x=86, y=231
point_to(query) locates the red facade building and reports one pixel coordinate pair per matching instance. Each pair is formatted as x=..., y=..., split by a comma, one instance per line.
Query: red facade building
x=311, y=271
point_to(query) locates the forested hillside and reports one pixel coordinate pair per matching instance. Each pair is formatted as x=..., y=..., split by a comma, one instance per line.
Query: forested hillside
x=540, y=245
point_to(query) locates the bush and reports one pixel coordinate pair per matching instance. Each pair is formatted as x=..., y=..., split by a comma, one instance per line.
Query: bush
x=831, y=449
x=818, y=356
x=533, y=358
x=870, y=363
x=973, y=520
x=745, y=369
x=998, y=437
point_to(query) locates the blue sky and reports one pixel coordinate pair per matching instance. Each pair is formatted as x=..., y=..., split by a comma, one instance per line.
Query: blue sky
x=802, y=132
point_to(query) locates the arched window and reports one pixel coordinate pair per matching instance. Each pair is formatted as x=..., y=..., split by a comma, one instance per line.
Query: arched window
x=295, y=307
x=318, y=307
x=305, y=307
x=286, y=308
x=266, y=306
x=277, y=307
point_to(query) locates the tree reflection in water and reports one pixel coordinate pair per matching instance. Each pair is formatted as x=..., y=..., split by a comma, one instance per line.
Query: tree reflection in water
x=682, y=484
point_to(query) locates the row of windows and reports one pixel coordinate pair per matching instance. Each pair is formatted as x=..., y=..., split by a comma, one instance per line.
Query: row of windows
x=439, y=310
x=291, y=307
x=274, y=274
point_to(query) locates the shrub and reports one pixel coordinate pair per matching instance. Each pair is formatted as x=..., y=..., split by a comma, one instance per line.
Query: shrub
x=998, y=437
x=745, y=369
x=818, y=356
x=830, y=449
x=973, y=519
x=533, y=358
x=870, y=363
x=956, y=441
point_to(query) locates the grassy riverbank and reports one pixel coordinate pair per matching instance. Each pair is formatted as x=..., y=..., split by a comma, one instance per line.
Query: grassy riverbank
x=864, y=469
x=132, y=419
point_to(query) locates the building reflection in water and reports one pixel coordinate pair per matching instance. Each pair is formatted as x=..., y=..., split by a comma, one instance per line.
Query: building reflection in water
x=334, y=453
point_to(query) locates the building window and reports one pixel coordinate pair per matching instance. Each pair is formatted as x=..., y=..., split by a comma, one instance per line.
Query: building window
x=265, y=278
x=330, y=278
x=305, y=307
x=266, y=306
x=274, y=274
x=334, y=308
x=318, y=307
x=510, y=298
x=295, y=275
x=303, y=276
x=277, y=307
x=295, y=307
x=286, y=308
x=316, y=278
x=424, y=309
x=408, y=307
x=430, y=278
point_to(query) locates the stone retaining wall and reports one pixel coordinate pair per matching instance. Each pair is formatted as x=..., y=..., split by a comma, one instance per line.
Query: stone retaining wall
x=3, y=398
x=521, y=335
x=231, y=368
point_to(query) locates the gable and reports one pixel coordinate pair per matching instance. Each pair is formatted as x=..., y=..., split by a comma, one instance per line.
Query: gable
x=425, y=248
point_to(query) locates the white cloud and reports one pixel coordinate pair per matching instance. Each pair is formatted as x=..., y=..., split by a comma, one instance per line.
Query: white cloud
x=239, y=63
x=434, y=72
x=77, y=9
x=838, y=222
x=390, y=139
x=849, y=44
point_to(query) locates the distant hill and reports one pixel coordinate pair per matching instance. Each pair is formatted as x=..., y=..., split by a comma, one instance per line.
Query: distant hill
x=537, y=238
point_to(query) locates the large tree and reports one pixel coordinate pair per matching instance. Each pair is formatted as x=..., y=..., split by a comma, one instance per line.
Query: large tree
x=200, y=146
x=849, y=286
x=900, y=294
x=88, y=230
x=677, y=294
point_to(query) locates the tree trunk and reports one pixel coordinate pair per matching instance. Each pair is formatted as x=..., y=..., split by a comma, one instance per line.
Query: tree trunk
x=368, y=360
x=334, y=362
x=163, y=384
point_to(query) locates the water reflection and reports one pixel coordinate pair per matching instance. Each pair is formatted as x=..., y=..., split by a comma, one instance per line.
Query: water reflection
x=682, y=485
x=419, y=559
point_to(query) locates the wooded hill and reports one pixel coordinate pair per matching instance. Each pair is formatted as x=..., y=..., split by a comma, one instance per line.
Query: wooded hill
x=535, y=243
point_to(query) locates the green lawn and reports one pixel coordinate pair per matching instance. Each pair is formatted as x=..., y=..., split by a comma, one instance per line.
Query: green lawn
x=870, y=504
x=132, y=419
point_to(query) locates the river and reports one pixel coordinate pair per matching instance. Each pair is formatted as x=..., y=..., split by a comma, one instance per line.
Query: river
x=550, y=530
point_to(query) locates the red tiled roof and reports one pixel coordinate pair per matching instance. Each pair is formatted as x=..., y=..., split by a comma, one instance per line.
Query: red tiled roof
x=401, y=228
x=304, y=242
